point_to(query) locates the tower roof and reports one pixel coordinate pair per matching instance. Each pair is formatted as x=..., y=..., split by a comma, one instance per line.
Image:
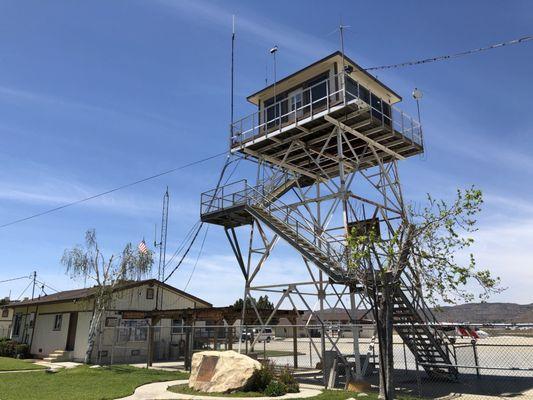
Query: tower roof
x=317, y=67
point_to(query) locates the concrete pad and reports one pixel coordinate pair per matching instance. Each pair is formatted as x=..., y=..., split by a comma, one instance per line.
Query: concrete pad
x=59, y=365
x=158, y=391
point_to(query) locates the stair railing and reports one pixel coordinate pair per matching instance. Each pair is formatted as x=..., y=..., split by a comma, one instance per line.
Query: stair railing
x=303, y=228
x=414, y=295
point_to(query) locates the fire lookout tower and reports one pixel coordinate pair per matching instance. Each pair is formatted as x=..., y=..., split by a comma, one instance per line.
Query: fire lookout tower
x=326, y=141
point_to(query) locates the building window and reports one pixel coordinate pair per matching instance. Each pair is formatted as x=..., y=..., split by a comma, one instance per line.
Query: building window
x=133, y=331
x=102, y=353
x=136, y=353
x=16, y=324
x=5, y=312
x=150, y=293
x=110, y=322
x=58, y=320
x=177, y=326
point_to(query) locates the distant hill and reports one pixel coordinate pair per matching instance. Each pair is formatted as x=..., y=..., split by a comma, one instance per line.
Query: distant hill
x=486, y=313
x=473, y=312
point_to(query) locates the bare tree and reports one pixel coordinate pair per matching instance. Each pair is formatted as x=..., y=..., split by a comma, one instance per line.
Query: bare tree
x=88, y=262
x=424, y=247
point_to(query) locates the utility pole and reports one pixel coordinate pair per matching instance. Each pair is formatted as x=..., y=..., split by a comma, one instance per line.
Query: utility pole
x=33, y=288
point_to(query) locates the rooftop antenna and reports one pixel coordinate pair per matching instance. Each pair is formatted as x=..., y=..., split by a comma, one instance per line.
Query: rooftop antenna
x=163, y=238
x=266, y=72
x=273, y=51
x=232, y=70
x=34, y=275
x=341, y=33
x=417, y=95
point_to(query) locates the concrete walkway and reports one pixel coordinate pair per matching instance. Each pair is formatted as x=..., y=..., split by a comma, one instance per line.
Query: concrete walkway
x=158, y=390
x=51, y=366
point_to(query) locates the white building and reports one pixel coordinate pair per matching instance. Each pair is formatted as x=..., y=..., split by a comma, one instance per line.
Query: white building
x=57, y=326
x=6, y=317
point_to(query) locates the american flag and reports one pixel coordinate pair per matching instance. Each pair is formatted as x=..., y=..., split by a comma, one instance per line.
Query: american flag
x=142, y=247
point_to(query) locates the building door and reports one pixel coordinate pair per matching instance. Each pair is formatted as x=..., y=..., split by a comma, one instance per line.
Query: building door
x=71, y=335
x=295, y=104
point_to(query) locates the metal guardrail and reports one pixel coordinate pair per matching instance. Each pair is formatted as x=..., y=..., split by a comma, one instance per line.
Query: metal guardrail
x=331, y=93
x=240, y=193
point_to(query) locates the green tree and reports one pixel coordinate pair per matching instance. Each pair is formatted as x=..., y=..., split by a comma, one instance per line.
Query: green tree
x=88, y=262
x=424, y=245
x=263, y=303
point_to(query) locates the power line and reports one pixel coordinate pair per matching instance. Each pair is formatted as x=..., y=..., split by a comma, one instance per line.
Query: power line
x=181, y=246
x=185, y=254
x=15, y=279
x=197, y=258
x=455, y=55
x=48, y=286
x=127, y=185
x=24, y=291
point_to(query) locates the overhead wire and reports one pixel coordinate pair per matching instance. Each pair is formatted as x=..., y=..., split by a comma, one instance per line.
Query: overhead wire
x=14, y=279
x=184, y=254
x=46, y=285
x=127, y=185
x=197, y=258
x=182, y=243
x=520, y=40
x=24, y=291
x=227, y=162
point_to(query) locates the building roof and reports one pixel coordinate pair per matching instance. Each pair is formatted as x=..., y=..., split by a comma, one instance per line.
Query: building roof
x=79, y=294
x=332, y=55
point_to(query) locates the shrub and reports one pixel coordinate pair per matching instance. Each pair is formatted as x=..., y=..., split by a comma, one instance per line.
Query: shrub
x=288, y=379
x=7, y=348
x=22, y=350
x=275, y=388
x=260, y=379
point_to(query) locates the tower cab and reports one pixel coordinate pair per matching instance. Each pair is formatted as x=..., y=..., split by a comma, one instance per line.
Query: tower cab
x=305, y=106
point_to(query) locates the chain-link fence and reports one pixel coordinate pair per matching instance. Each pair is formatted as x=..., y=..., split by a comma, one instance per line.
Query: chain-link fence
x=472, y=361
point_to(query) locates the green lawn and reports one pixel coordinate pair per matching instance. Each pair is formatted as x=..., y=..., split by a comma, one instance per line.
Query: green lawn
x=81, y=383
x=12, y=364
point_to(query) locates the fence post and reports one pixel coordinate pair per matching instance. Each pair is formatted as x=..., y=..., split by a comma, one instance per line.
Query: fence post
x=150, y=358
x=230, y=338
x=187, y=349
x=310, y=353
x=295, y=345
x=404, y=356
x=476, y=360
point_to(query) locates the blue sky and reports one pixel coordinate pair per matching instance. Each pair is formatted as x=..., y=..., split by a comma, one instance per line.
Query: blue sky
x=97, y=94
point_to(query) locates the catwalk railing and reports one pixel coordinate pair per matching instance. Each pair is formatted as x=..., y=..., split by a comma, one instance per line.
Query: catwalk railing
x=498, y=362
x=240, y=193
x=320, y=99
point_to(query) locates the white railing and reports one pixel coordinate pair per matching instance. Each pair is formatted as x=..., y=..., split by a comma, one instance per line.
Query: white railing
x=319, y=99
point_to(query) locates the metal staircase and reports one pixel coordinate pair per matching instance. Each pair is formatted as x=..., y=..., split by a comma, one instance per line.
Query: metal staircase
x=413, y=320
x=416, y=324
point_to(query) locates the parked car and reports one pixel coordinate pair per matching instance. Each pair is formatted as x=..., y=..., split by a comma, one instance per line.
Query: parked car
x=266, y=334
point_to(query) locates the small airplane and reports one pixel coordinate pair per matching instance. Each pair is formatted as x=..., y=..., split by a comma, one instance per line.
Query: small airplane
x=464, y=331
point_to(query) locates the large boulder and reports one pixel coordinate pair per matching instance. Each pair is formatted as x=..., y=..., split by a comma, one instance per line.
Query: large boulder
x=221, y=371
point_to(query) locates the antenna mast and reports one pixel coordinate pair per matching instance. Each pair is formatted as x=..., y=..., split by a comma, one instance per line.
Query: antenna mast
x=163, y=238
x=232, y=70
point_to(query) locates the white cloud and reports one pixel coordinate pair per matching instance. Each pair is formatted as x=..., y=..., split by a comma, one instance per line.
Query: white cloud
x=51, y=191
x=24, y=98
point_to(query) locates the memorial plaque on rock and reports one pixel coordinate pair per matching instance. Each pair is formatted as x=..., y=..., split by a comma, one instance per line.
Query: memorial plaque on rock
x=207, y=368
